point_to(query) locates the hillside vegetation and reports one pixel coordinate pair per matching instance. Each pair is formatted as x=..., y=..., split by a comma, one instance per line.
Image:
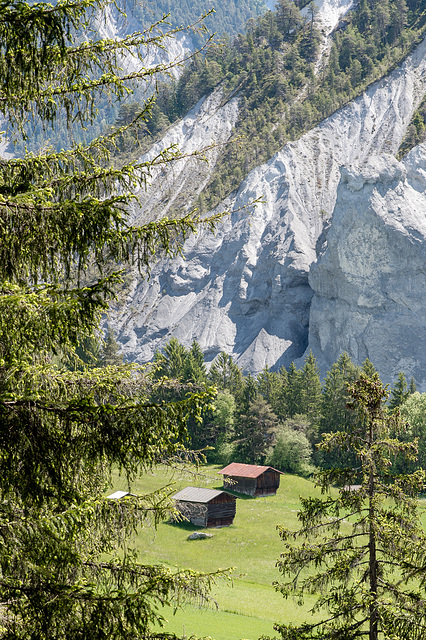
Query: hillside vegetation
x=225, y=18
x=229, y=16
x=284, y=87
x=277, y=417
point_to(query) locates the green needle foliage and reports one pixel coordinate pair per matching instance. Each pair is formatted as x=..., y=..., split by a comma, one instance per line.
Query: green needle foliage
x=361, y=549
x=66, y=568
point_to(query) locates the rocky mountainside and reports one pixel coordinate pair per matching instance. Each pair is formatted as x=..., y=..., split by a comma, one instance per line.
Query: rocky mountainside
x=369, y=280
x=331, y=260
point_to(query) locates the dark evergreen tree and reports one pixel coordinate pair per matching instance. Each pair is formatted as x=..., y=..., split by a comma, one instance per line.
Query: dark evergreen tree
x=194, y=370
x=288, y=17
x=310, y=389
x=110, y=354
x=67, y=571
x=293, y=391
x=225, y=374
x=368, y=368
x=280, y=407
x=400, y=392
x=86, y=354
x=255, y=432
x=335, y=414
x=171, y=361
x=269, y=386
x=362, y=550
x=249, y=393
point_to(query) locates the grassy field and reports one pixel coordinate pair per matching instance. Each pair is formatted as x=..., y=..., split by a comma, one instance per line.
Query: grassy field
x=249, y=606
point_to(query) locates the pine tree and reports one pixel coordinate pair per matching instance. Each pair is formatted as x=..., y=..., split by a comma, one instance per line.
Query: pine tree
x=225, y=374
x=194, y=368
x=293, y=391
x=361, y=550
x=310, y=387
x=368, y=367
x=335, y=414
x=255, y=432
x=110, y=352
x=400, y=392
x=171, y=361
x=269, y=386
x=249, y=394
x=280, y=406
x=67, y=569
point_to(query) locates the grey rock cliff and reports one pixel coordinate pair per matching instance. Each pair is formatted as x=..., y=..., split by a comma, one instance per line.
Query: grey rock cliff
x=369, y=282
x=246, y=290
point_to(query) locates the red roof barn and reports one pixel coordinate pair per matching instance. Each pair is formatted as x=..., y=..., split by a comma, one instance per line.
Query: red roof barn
x=251, y=479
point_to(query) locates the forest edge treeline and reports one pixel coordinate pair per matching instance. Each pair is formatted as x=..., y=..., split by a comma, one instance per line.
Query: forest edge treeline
x=277, y=417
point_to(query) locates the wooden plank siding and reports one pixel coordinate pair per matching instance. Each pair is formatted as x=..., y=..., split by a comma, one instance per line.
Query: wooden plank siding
x=221, y=512
x=267, y=483
x=241, y=485
x=264, y=485
x=251, y=479
x=218, y=511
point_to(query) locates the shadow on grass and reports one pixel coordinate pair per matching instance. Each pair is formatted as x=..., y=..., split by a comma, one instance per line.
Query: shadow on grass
x=186, y=526
x=241, y=496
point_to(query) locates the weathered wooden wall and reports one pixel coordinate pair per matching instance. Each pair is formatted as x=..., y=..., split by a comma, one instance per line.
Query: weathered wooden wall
x=267, y=483
x=242, y=485
x=264, y=485
x=221, y=511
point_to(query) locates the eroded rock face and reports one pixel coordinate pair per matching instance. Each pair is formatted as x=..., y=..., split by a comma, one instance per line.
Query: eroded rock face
x=246, y=290
x=369, y=282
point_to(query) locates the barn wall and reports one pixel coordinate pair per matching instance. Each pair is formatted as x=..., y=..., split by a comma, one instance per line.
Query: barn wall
x=267, y=483
x=221, y=513
x=242, y=485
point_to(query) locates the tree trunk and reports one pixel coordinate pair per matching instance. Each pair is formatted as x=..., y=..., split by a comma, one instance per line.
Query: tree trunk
x=373, y=634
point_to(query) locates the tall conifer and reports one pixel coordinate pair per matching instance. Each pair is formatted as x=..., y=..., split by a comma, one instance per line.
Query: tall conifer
x=360, y=549
x=67, y=571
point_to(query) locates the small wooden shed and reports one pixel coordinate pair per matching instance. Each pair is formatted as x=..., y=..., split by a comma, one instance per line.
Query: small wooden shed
x=252, y=479
x=206, y=507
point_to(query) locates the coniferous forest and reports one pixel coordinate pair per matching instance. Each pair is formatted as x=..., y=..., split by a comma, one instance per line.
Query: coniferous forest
x=273, y=69
x=278, y=417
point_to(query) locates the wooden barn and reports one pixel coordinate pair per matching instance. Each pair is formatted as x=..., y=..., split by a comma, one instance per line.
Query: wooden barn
x=252, y=479
x=206, y=507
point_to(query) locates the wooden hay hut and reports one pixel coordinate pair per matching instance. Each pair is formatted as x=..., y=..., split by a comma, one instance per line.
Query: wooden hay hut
x=206, y=507
x=251, y=479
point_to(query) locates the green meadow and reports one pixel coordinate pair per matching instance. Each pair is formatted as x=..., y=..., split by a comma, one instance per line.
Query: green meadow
x=247, y=606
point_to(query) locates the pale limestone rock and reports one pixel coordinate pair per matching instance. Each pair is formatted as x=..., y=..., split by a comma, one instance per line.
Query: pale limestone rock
x=111, y=24
x=370, y=281
x=246, y=290
x=199, y=535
